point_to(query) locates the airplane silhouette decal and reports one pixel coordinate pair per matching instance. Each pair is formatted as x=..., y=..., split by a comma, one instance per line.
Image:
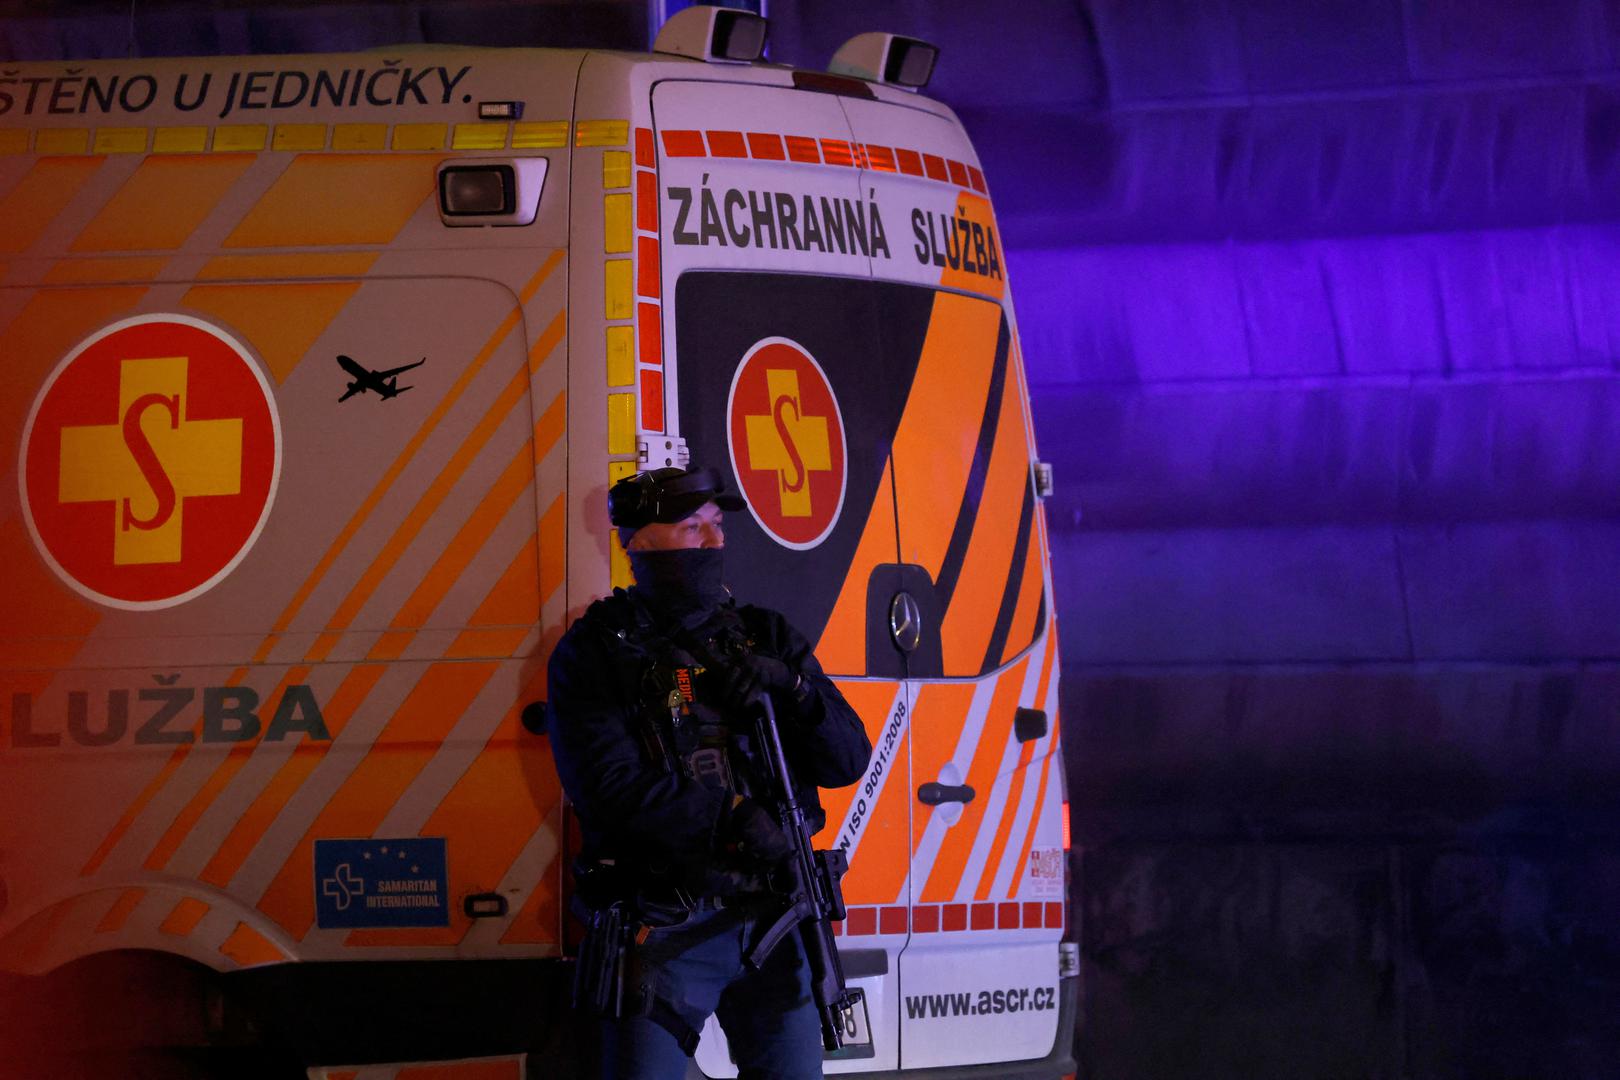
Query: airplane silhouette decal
x=385, y=384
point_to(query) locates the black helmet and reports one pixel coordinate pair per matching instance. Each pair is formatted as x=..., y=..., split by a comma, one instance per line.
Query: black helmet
x=666, y=496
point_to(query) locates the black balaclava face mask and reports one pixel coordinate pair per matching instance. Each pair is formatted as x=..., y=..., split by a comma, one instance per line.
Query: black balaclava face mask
x=684, y=582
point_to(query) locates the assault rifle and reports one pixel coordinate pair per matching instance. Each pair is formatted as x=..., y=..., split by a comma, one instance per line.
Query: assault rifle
x=815, y=897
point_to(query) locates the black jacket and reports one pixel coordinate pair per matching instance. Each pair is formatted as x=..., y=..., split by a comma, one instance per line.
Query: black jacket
x=635, y=810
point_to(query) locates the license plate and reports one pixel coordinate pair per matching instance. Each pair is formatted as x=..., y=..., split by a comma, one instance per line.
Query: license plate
x=857, y=1032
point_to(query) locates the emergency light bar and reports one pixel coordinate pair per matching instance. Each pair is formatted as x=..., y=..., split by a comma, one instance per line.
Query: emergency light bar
x=711, y=34
x=886, y=58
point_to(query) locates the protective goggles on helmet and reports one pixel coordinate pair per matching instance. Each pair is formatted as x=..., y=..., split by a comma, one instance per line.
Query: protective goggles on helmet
x=666, y=496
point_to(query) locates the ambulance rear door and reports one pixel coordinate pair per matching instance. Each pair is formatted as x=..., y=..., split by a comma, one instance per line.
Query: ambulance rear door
x=774, y=337
x=979, y=976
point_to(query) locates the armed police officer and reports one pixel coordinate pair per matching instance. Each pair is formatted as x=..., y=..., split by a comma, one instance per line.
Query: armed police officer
x=652, y=700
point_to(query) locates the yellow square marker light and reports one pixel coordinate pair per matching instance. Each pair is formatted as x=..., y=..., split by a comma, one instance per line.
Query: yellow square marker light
x=616, y=169
x=617, y=303
x=621, y=355
x=621, y=423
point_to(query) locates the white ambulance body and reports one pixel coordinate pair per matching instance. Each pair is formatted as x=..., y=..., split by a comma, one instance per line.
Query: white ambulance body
x=317, y=371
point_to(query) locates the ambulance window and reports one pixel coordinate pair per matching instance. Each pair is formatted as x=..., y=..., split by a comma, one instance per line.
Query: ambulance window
x=825, y=398
x=784, y=388
x=964, y=495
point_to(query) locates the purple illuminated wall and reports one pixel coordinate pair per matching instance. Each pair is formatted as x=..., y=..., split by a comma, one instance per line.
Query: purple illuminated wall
x=1320, y=305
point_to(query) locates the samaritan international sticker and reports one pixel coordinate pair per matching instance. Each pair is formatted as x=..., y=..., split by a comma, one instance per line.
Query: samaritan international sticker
x=149, y=461
x=382, y=883
x=786, y=436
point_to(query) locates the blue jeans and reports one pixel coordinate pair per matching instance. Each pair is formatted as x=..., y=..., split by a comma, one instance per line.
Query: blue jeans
x=768, y=1016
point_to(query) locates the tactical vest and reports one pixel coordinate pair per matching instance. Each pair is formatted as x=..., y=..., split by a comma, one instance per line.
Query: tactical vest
x=674, y=677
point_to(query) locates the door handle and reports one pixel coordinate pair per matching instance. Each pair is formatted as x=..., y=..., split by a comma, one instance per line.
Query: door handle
x=932, y=794
x=1029, y=724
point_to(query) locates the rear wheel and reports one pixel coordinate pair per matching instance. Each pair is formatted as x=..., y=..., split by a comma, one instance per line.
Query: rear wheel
x=131, y=1016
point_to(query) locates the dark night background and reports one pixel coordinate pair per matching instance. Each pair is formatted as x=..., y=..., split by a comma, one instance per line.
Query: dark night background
x=1319, y=301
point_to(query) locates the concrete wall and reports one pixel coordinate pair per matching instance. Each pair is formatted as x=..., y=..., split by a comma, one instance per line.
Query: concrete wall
x=1319, y=302
x=1332, y=397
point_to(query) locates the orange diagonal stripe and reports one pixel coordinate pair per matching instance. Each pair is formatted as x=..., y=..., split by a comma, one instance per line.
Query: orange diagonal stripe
x=420, y=515
x=162, y=202
x=967, y=626
x=553, y=539
x=1034, y=823
x=1009, y=812
x=511, y=395
x=512, y=781
x=880, y=867
x=461, y=550
x=1030, y=588
x=458, y=554
x=871, y=701
x=1046, y=765
x=126, y=821
x=39, y=196
x=947, y=705
x=411, y=737
x=119, y=913
x=539, y=920
x=939, y=429
x=951, y=861
x=511, y=600
x=258, y=817
x=226, y=771
x=842, y=648
x=133, y=810
x=429, y=425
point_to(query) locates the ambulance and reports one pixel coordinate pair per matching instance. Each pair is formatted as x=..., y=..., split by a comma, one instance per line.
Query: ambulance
x=316, y=372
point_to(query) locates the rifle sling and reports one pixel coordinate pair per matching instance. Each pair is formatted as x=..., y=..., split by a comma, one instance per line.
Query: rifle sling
x=662, y=1013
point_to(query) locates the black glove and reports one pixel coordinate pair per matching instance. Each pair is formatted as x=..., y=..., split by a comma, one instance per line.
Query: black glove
x=751, y=675
x=753, y=831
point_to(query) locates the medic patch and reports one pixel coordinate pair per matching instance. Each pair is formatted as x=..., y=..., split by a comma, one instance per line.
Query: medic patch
x=149, y=462
x=786, y=437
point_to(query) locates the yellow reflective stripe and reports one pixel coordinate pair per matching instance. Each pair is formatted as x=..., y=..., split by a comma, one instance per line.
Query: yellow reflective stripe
x=180, y=140
x=621, y=355
x=618, y=561
x=240, y=137
x=478, y=137
x=420, y=136
x=360, y=137
x=62, y=141
x=616, y=223
x=120, y=140
x=617, y=301
x=602, y=133
x=619, y=574
x=621, y=423
x=539, y=134
x=299, y=137
x=616, y=169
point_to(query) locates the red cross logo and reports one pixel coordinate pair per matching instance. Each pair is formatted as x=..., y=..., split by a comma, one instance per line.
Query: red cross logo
x=149, y=461
x=787, y=443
